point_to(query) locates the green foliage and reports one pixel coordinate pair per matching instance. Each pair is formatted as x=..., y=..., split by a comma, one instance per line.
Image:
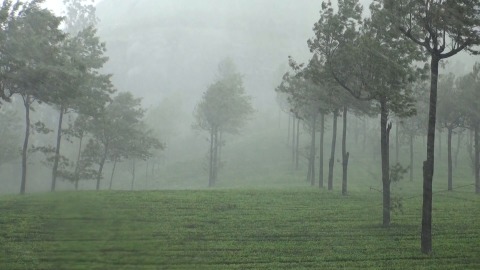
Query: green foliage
x=231, y=229
x=224, y=105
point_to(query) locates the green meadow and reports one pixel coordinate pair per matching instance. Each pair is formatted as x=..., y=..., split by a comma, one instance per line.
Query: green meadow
x=232, y=229
x=262, y=214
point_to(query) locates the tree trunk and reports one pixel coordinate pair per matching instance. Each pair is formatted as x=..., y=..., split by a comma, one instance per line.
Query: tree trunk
x=384, y=149
x=428, y=165
x=293, y=141
x=397, y=145
x=365, y=123
x=345, y=154
x=210, y=176
x=77, y=176
x=449, y=158
x=133, y=175
x=57, y=149
x=26, y=102
x=146, y=171
x=457, y=150
x=100, y=168
x=477, y=159
x=411, y=157
x=297, y=145
x=332, y=153
x=320, y=166
x=312, y=152
x=288, y=133
x=439, y=145
x=215, y=156
x=113, y=172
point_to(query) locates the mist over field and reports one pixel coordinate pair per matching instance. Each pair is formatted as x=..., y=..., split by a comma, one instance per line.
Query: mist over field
x=342, y=134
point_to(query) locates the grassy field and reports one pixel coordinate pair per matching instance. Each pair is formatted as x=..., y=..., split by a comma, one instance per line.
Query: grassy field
x=232, y=229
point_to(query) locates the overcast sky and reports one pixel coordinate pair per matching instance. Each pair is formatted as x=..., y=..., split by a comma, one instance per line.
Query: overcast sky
x=57, y=5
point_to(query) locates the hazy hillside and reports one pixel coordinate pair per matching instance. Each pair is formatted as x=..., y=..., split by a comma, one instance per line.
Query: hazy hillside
x=157, y=47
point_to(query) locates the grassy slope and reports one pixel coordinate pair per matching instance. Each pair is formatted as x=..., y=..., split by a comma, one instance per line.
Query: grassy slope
x=231, y=229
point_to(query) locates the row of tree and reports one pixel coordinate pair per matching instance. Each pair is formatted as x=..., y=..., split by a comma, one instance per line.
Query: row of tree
x=44, y=64
x=375, y=61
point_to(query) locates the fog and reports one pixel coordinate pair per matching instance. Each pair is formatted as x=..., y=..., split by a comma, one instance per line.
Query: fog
x=167, y=53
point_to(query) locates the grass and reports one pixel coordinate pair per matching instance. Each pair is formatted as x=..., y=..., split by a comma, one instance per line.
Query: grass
x=232, y=229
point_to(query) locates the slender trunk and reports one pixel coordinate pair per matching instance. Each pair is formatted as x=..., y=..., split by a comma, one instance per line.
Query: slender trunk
x=133, y=174
x=220, y=147
x=297, y=144
x=146, y=171
x=411, y=157
x=397, y=145
x=100, y=168
x=210, y=175
x=57, y=149
x=288, y=133
x=345, y=154
x=477, y=159
x=332, y=153
x=312, y=151
x=384, y=149
x=215, y=156
x=113, y=172
x=365, y=123
x=439, y=145
x=457, y=150
x=25, y=145
x=449, y=158
x=428, y=165
x=320, y=166
x=77, y=164
x=293, y=141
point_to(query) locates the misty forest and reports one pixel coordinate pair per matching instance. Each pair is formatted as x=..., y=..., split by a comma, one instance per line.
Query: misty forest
x=240, y=134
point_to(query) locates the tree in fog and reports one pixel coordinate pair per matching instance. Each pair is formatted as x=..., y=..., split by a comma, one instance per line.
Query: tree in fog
x=449, y=115
x=224, y=108
x=84, y=56
x=415, y=125
x=113, y=127
x=442, y=29
x=469, y=87
x=33, y=59
x=359, y=56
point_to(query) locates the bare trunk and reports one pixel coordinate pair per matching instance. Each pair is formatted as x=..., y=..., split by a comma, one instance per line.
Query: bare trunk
x=439, y=145
x=210, y=176
x=397, y=144
x=111, y=175
x=215, y=156
x=133, y=174
x=477, y=159
x=77, y=164
x=449, y=158
x=332, y=153
x=320, y=166
x=457, y=150
x=411, y=157
x=297, y=145
x=57, y=149
x=384, y=149
x=25, y=145
x=293, y=141
x=312, y=151
x=100, y=168
x=345, y=154
x=428, y=165
x=288, y=133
